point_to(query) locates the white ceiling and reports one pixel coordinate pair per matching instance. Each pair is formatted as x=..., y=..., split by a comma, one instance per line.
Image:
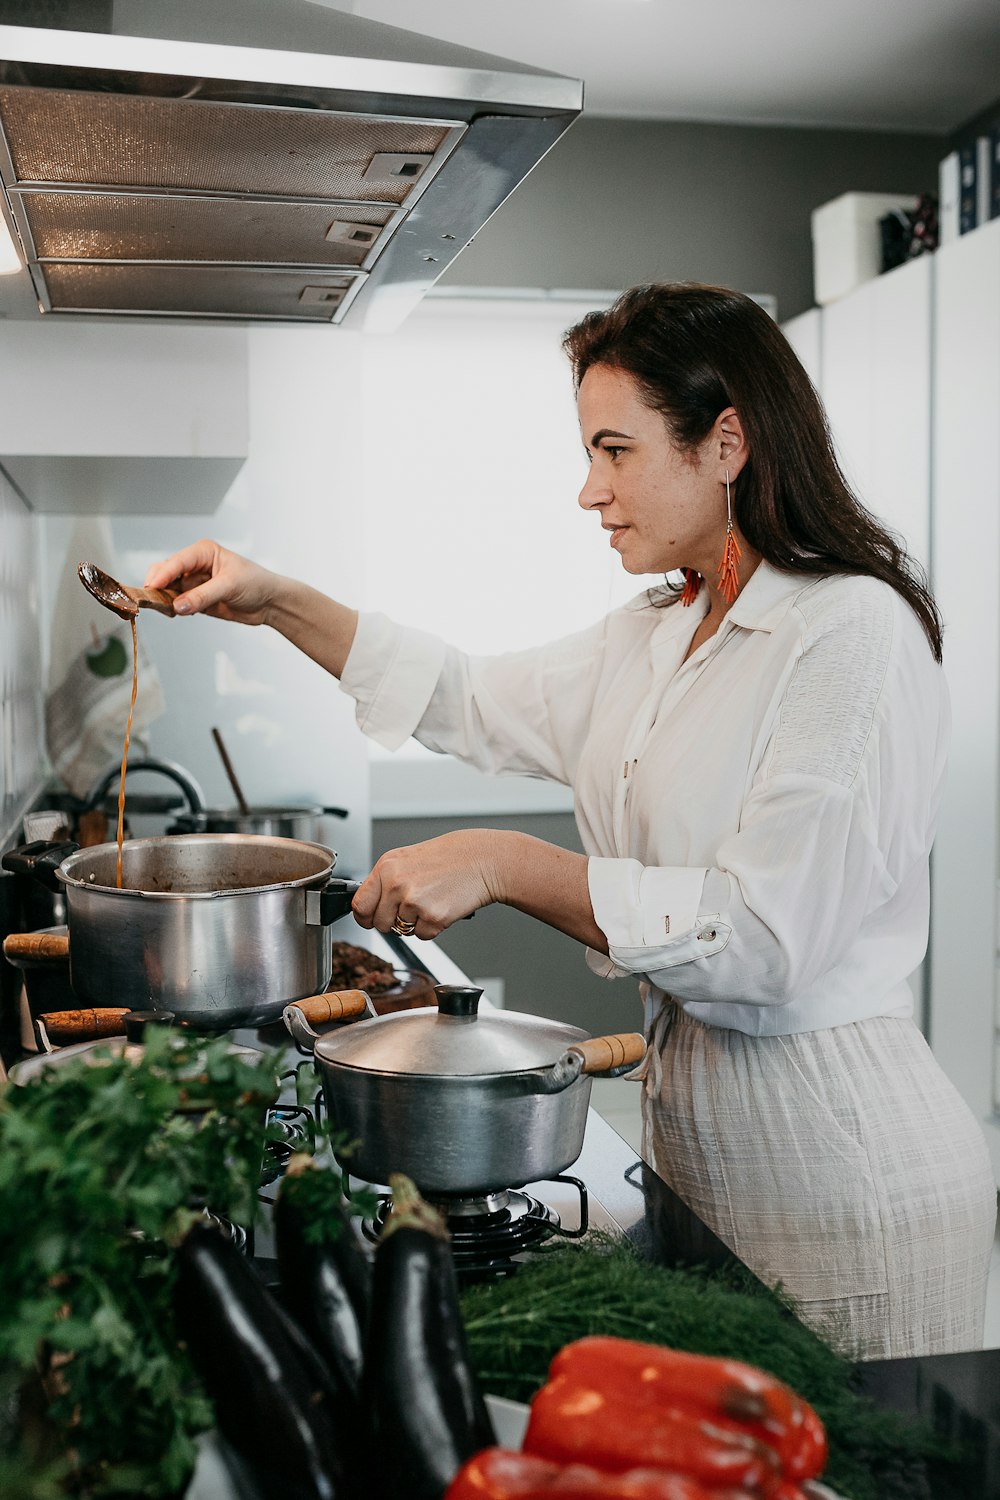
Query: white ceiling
x=924, y=65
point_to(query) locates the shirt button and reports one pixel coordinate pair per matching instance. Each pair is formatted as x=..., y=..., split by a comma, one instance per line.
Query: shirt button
x=707, y=936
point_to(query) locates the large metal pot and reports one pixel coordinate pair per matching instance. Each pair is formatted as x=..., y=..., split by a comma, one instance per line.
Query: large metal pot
x=463, y=1101
x=221, y=930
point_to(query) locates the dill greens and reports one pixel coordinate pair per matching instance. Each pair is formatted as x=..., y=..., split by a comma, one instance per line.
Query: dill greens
x=603, y=1286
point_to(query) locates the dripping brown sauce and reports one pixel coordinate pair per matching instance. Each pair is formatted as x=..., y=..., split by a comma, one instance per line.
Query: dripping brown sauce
x=128, y=736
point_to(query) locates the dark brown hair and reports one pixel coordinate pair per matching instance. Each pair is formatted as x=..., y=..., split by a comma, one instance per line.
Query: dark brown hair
x=694, y=350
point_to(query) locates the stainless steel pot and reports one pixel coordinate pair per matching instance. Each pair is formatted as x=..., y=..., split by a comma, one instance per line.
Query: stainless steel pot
x=464, y=1102
x=221, y=930
x=276, y=822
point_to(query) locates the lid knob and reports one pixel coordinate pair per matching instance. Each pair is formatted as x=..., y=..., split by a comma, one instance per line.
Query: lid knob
x=458, y=1000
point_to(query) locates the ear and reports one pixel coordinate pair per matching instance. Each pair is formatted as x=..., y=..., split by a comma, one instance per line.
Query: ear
x=728, y=443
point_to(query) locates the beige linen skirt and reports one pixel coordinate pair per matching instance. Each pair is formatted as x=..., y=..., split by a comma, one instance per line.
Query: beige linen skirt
x=841, y=1164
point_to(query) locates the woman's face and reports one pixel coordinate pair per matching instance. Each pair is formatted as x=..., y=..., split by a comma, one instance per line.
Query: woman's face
x=663, y=508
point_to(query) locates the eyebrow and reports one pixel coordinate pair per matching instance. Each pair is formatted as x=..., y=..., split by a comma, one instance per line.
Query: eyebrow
x=607, y=432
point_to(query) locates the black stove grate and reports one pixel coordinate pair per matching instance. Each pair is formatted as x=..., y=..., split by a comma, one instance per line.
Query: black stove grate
x=491, y=1234
x=291, y=1128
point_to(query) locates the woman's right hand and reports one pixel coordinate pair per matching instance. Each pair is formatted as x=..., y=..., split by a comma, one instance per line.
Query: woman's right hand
x=215, y=581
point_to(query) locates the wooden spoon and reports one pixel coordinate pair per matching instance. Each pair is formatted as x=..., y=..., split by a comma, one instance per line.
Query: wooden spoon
x=241, y=801
x=119, y=598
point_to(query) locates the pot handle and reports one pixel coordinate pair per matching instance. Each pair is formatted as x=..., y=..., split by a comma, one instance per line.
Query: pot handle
x=329, y=903
x=63, y=1027
x=40, y=859
x=344, y=1006
x=36, y=947
x=610, y=1056
x=169, y=768
x=599, y=1056
x=336, y=812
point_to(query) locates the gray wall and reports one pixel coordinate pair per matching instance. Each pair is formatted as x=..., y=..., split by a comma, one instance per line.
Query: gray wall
x=619, y=202
x=544, y=972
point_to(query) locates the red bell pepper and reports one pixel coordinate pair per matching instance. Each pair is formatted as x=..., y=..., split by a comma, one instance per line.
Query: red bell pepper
x=573, y=1422
x=733, y=1396
x=500, y=1474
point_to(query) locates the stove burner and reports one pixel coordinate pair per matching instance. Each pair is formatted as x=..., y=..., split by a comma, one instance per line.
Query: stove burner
x=290, y=1129
x=489, y=1233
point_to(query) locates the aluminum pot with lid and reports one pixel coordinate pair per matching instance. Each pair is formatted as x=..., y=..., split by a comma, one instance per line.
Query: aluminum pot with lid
x=222, y=930
x=463, y=1101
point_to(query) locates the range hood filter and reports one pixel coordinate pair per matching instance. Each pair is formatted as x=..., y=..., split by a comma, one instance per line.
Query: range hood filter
x=182, y=161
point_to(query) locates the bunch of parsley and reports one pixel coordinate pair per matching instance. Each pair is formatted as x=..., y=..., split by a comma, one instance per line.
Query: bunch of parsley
x=102, y=1170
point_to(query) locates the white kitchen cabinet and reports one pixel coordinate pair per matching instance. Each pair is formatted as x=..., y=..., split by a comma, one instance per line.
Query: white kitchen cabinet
x=148, y=420
x=805, y=334
x=909, y=372
x=869, y=356
x=966, y=553
x=875, y=378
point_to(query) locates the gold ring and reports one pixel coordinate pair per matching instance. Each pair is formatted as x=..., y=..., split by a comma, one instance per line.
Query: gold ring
x=404, y=928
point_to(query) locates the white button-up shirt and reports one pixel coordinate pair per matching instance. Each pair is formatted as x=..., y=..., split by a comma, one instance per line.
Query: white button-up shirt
x=758, y=817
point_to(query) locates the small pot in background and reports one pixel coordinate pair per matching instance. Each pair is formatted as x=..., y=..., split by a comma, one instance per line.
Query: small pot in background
x=304, y=823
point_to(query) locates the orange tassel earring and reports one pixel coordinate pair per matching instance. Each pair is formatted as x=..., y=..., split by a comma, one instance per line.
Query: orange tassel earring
x=692, y=583
x=729, y=581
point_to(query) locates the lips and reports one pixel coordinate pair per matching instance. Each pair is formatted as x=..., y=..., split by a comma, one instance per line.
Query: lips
x=617, y=532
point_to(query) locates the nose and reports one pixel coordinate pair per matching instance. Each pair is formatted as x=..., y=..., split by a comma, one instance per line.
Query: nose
x=596, y=491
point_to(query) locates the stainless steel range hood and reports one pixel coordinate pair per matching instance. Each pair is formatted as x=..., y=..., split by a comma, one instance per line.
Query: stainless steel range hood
x=252, y=160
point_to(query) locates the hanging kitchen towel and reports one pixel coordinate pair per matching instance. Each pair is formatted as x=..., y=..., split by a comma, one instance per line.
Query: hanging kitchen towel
x=90, y=671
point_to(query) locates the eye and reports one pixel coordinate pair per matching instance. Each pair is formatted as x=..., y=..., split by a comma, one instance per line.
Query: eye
x=612, y=450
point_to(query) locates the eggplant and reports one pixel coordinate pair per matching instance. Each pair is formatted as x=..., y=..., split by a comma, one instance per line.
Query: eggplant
x=325, y=1274
x=423, y=1403
x=272, y=1398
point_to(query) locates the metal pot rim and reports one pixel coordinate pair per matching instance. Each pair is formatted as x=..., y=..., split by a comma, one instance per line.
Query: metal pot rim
x=295, y=810
x=64, y=872
x=439, y=1078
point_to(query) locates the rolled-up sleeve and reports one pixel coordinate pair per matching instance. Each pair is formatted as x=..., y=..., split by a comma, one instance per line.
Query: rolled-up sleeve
x=638, y=908
x=787, y=897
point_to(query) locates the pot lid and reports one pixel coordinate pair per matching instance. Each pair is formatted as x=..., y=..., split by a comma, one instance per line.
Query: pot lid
x=455, y=1040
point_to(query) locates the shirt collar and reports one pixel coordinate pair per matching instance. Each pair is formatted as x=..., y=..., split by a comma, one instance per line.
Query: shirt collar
x=766, y=599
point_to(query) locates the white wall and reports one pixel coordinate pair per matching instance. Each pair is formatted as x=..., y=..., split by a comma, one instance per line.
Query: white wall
x=21, y=751
x=289, y=729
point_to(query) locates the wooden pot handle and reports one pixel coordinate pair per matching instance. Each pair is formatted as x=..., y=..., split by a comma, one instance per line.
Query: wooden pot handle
x=65, y=1026
x=338, y=1005
x=601, y=1053
x=36, y=945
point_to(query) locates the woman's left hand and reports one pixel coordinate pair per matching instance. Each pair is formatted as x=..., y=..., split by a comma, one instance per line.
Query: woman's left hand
x=432, y=884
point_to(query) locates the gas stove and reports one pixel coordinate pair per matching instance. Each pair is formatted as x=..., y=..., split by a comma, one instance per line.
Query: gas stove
x=490, y=1235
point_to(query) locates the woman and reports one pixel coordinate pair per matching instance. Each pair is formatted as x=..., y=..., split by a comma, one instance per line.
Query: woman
x=756, y=770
